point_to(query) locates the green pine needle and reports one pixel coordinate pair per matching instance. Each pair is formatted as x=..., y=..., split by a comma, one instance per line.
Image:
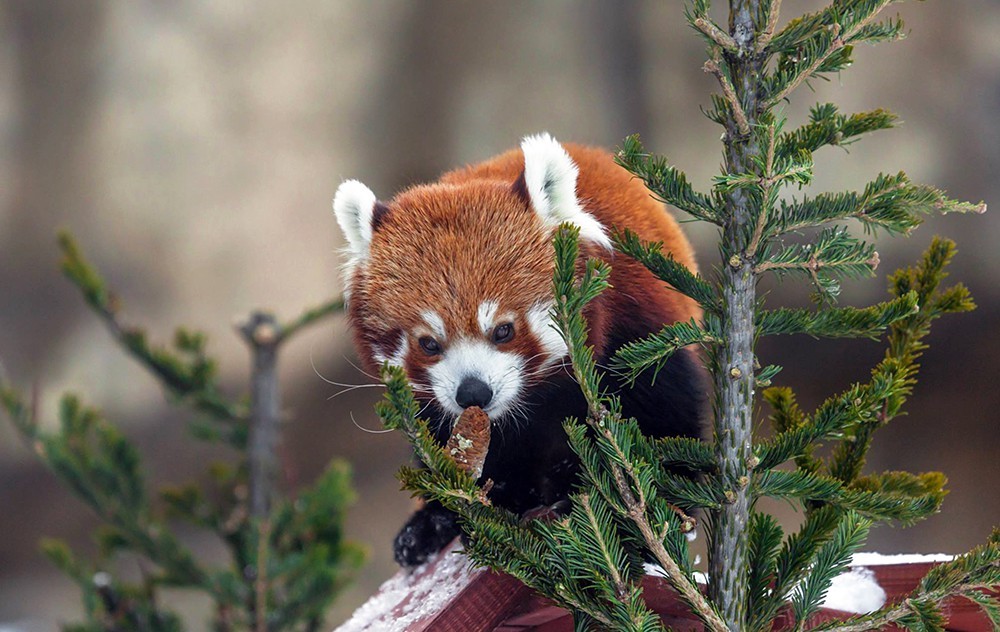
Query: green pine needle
x=665, y=182
x=840, y=322
x=890, y=202
x=828, y=127
x=831, y=560
x=667, y=269
x=635, y=357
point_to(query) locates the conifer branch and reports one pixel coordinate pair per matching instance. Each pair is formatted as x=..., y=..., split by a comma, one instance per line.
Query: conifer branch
x=664, y=181
x=833, y=417
x=792, y=563
x=890, y=202
x=972, y=576
x=763, y=39
x=187, y=374
x=905, y=347
x=841, y=322
x=596, y=527
x=828, y=127
x=826, y=48
x=667, y=269
x=834, y=254
x=904, y=501
x=686, y=588
x=635, y=357
x=831, y=560
x=713, y=66
x=764, y=535
x=829, y=42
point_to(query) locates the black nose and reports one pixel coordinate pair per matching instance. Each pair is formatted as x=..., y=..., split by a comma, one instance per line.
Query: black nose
x=473, y=392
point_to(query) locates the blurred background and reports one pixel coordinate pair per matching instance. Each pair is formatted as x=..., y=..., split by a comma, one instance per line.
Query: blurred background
x=193, y=148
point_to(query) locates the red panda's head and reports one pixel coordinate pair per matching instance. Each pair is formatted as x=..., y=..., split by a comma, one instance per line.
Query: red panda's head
x=453, y=282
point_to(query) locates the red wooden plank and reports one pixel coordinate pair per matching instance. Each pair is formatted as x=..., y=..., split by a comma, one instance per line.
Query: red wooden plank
x=444, y=595
x=448, y=595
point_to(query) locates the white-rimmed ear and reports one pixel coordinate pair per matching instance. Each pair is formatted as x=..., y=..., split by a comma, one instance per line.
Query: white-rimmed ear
x=354, y=206
x=550, y=178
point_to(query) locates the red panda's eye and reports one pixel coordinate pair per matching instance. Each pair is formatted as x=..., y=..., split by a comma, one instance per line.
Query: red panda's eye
x=429, y=345
x=503, y=333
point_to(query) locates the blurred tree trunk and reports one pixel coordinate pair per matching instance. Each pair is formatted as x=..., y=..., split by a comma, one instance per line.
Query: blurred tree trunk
x=615, y=30
x=57, y=44
x=407, y=128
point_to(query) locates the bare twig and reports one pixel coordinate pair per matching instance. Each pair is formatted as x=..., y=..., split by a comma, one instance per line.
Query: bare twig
x=729, y=93
x=772, y=22
x=260, y=332
x=310, y=316
x=717, y=35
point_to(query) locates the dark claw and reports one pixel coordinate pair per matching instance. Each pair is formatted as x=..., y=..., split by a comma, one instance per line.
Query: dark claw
x=426, y=532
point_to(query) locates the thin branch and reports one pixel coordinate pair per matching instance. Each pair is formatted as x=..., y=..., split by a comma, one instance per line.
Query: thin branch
x=717, y=35
x=772, y=22
x=620, y=588
x=636, y=508
x=712, y=66
x=310, y=316
x=839, y=41
x=261, y=334
x=812, y=265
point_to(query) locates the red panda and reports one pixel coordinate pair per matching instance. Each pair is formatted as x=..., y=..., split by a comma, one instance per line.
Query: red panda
x=452, y=281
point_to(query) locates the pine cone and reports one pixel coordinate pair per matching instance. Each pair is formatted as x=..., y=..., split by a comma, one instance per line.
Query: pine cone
x=470, y=441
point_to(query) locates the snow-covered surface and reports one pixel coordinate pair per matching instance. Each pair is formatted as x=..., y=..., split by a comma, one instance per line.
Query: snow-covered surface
x=877, y=559
x=855, y=591
x=858, y=591
x=409, y=597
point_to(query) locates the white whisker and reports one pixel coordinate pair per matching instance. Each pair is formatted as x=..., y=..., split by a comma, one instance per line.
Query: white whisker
x=369, y=431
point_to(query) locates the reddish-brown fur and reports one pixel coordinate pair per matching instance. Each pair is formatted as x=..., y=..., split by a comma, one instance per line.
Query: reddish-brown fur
x=474, y=236
x=449, y=245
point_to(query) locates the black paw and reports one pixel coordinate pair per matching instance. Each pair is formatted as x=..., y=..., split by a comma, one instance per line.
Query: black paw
x=424, y=534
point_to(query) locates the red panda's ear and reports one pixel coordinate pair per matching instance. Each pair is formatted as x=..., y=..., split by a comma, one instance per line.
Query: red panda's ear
x=550, y=180
x=358, y=213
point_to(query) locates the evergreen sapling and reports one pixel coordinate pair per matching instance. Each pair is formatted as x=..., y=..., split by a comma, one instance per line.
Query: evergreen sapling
x=631, y=504
x=289, y=556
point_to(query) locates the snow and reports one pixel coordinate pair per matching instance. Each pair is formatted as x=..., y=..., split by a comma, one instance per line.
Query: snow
x=855, y=591
x=877, y=559
x=410, y=596
x=858, y=591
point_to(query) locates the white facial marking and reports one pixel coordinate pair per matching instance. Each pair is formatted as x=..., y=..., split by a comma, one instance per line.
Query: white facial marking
x=550, y=177
x=543, y=327
x=475, y=358
x=399, y=357
x=436, y=323
x=396, y=358
x=487, y=312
